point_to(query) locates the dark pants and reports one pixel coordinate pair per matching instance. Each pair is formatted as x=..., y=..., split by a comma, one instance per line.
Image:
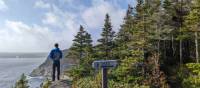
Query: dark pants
x=56, y=65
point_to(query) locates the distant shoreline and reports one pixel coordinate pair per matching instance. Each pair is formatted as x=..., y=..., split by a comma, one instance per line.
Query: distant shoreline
x=23, y=55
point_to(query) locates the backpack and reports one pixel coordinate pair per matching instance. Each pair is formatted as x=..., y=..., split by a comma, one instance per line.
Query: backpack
x=56, y=55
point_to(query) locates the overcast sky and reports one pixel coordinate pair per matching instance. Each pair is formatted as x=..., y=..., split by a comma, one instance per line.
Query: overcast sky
x=35, y=25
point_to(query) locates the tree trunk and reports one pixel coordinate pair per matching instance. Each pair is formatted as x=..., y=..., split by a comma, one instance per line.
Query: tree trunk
x=173, y=45
x=196, y=46
x=180, y=52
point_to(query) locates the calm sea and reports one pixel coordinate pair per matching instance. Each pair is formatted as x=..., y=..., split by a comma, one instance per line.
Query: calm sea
x=12, y=68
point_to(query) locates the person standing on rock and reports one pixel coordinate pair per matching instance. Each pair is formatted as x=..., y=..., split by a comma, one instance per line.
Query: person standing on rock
x=55, y=55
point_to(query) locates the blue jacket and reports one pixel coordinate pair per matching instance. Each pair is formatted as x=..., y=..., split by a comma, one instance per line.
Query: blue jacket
x=55, y=54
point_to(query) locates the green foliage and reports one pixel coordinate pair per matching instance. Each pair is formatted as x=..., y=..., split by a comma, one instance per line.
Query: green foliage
x=193, y=79
x=124, y=36
x=193, y=18
x=82, y=45
x=113, y=84
x=95, y=82
x=194, y=68
x=128, y=71
x=106, y=42
x=88, y=82
x=83, y=69
x=154, y=36
x=76, y=50
x=46, y=83
x=167, y=4
x=22, y=82
x=80, y=71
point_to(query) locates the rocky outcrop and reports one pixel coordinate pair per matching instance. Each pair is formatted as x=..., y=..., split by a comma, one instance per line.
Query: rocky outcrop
x=45, y=69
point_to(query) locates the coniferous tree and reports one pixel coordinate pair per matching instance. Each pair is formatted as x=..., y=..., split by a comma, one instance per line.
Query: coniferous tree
x=138, y=28
x=129, y=69
x=106, y=42
x=88, y=50
x=76, y=50
x=192, y=24
x=124, y=35
x=124, y=32
x=82, y=50
x=153, y=32
x=170, y=39
x=155, y=38
x=88, y=45
x=180, y=7
x=82, y=45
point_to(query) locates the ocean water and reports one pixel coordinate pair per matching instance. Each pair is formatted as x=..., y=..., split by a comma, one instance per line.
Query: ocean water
x=12, y=68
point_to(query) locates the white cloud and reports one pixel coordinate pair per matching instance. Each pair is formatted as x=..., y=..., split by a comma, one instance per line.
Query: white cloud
x=42, y=4
x=94, y=16
x=50, y=18
x=40, y=38
x=3, y=6
x=58, y=25
x=20, y=37
x=61, y=19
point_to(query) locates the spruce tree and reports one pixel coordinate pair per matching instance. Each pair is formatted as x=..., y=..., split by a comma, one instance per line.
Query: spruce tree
x=180, y=8
x=82, y=46
x=124, y=35
x=127, y=70
x=88, y=50
x=168, y=26
x=153, y=31
x=88, y=45
x=106, y=42
x=192, y=24
x=76, y=50
x=155, y=38
x=82, y=49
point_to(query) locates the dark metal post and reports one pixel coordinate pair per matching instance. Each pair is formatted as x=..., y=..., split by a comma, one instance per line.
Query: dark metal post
x=104, y=78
